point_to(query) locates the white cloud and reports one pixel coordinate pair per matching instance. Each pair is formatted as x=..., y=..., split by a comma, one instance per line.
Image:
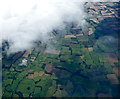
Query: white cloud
x=24, y=21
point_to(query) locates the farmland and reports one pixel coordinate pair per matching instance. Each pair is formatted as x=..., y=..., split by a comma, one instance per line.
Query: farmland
x=79, y=65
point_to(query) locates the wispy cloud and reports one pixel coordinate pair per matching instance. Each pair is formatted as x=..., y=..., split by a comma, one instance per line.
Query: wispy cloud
x=24, y=21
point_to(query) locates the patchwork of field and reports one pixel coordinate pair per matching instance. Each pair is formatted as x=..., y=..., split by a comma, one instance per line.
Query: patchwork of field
x=77, y=66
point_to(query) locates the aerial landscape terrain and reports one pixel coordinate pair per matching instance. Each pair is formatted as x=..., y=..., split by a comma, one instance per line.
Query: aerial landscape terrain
x=82, y=62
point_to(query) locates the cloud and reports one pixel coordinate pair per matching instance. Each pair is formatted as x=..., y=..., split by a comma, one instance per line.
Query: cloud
x=25, y=21
x=22, y=22
x=106, y=44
